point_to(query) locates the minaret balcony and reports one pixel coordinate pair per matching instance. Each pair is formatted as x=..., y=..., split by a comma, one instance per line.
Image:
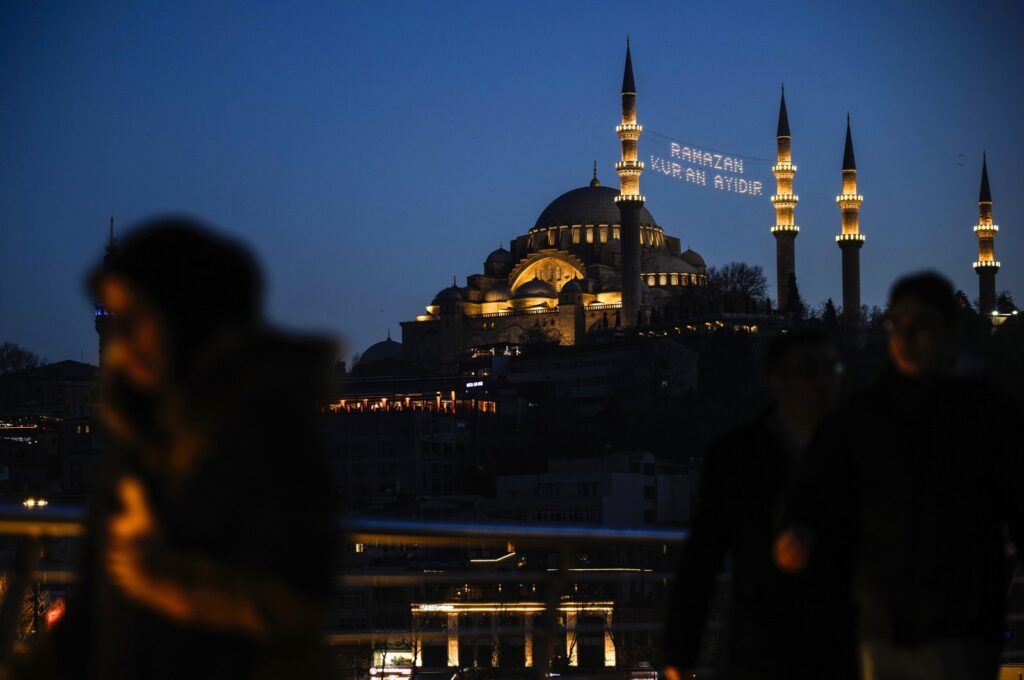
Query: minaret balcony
x=785, y=229
x=843, y=238
x=987, y=264
x=630, y=198
x=784, y=200
x=981, y=228
x=850, y=198
x=629, y=131
x=629, y=167
x=787, y=168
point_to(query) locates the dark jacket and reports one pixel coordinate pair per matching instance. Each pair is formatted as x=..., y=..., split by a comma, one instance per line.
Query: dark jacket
x=929, y=470
x=258, y=501
x=782, y=626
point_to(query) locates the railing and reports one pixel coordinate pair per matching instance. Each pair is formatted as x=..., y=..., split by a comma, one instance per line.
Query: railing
x=552, y=625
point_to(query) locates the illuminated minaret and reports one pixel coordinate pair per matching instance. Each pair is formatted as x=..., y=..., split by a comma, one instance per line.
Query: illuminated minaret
x=784, y=200
x=629, y=200
x=101, y=315
x=985, y=230
x=850, y=240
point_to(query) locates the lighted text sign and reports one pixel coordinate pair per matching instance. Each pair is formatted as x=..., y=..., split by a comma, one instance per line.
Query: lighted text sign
x=707, y=169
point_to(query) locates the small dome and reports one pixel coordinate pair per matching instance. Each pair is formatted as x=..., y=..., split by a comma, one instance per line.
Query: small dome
x=573, y=286
x=668, y=264
x=385, y=349
x=499, y=293
x=449, y=294
x=500, y=256
x=693, y=257
x=534, y=289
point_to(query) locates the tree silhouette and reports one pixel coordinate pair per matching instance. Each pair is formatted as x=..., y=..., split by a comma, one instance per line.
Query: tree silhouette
x=795, y=308
x=14, y=357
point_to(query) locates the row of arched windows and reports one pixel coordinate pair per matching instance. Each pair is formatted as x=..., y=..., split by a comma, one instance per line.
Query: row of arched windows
x=649, y=236
x=672, y=279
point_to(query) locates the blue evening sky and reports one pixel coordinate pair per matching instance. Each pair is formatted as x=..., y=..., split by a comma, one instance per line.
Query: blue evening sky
x=370, y=151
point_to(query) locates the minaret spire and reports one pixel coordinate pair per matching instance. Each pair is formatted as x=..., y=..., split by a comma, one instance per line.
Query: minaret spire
x=849, y=162
x=629, y=200
x=628, y=86
x=594, y=181
x=986, y=266
x=784, y=200
x=985, y=194
x=850, y=240
x=783, y=130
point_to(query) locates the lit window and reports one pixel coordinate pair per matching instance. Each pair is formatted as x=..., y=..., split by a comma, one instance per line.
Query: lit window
x=604, y=234
x=675, y=279
x=575, y=234
x=590, y=234
x=615, y=233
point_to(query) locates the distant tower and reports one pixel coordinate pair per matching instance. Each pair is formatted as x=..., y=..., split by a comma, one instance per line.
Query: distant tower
x=629, y=200
x=986, y=266
x=850, y=240
x=101, y=314
x=784, y=200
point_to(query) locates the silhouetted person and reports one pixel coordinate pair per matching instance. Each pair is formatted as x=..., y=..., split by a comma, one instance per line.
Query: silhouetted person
x=782, y=626
x=926, y=464
x=209, y=555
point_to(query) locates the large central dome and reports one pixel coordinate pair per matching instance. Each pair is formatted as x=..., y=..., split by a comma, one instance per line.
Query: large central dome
x=586, y=205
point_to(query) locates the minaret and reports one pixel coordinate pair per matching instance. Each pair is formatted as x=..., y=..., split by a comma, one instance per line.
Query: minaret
x=850, y=240
x=101, y=315
x=784, y=200
x=986, y=266
x=629, y=200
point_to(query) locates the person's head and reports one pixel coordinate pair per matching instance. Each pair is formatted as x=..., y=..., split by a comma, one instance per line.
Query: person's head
x=921, y=324
x=171, y=287
x=802, y=374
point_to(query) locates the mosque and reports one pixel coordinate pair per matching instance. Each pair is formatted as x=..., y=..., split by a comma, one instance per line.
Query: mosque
x=595, y=259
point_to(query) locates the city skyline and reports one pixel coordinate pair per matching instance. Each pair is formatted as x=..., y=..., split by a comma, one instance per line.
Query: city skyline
x=365, y=171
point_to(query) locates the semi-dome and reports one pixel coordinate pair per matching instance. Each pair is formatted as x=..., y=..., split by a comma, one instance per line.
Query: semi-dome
x=693, y=257
x=586, y=205
x=534, y=289
x=385, y=349
x=499, y=293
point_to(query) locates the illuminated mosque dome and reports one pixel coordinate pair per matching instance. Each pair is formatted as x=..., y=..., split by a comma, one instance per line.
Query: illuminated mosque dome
x=534, y=289
x=593, y=204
